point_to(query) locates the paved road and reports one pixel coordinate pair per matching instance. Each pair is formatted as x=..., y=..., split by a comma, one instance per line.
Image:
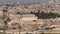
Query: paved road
x=13, y=31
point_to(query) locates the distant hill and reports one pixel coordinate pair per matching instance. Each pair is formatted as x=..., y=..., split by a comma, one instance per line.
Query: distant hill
x=22, y=1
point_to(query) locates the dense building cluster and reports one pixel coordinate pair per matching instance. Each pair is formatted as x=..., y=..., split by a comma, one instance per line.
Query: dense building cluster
x=30, y=17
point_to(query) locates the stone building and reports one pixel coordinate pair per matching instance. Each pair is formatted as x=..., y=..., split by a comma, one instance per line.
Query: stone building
x=28, y=17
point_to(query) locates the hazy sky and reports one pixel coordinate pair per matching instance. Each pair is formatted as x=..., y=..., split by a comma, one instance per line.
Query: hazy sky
x=23, y=1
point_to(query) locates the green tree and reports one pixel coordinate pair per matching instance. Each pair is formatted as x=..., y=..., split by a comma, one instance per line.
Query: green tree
x=19, y=27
